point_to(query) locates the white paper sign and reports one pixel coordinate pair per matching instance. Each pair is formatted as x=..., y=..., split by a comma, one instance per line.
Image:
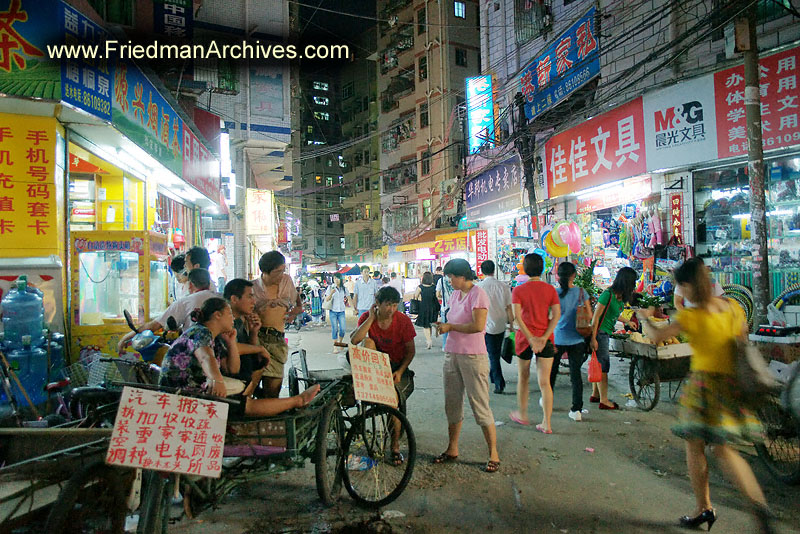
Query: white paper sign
x=372, y=376
x=166, y=432
x=680, y=124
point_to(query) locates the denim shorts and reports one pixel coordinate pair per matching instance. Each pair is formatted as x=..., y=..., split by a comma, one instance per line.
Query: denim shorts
x=603, y=355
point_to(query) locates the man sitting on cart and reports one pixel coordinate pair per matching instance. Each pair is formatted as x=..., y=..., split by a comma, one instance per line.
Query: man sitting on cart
x=253, y=357
x=181, y=309
x=197, y=359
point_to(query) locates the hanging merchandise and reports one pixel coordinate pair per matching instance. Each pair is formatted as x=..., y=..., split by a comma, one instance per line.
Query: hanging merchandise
x=553, y=249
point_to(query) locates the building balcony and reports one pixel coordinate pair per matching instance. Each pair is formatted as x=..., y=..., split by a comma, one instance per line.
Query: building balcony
x=401, y=41
x=399, y=176
x=402, y=130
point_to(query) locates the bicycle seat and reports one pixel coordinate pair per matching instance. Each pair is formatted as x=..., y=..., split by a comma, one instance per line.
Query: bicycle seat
x=95, y=394
x=56, y=386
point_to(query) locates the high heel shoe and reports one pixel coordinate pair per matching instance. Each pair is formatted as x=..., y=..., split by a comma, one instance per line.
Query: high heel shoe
x=707, y=516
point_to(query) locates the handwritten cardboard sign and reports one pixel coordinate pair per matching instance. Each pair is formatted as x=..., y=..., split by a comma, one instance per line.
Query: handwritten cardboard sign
x=166, y=432
x=372, y=376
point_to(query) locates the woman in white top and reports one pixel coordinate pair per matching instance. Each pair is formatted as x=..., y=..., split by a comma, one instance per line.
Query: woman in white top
x=682, y=302
x=336, y=296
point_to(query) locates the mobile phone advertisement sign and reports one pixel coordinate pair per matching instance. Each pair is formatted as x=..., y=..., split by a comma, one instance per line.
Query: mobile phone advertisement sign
x=372, y=376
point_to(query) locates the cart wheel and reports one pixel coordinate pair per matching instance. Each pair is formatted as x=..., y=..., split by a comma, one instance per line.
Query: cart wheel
x=373, y=475
x=93, y=500
x=154, y=510
x=780, y=450
x=328, y=454
x=644, y=381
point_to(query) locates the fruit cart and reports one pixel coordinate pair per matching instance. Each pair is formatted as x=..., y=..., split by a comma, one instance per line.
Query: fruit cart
x=651, y=365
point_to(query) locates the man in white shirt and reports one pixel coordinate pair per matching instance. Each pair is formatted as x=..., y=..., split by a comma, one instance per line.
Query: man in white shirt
x=181, y=309
x=499, y=315
x=364, y=293
x=396, y=283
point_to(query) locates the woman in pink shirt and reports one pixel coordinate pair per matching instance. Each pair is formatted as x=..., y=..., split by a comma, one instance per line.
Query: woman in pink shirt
x=466, y=365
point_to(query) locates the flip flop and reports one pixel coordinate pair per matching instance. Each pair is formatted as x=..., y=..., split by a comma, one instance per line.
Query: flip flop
x=614, y=406
x=541, y=429
x=519, y=420
x=397, y=458
x=445, y=458
x=595, y=400
x=492, y=466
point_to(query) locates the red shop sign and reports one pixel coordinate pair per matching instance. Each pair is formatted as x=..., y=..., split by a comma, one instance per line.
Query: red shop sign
x=600, y=150
x=780, y=104
x=676, y=216
x=616, y=195
x=481, y=247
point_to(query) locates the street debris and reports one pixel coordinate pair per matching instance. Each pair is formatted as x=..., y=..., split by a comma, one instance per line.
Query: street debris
x=589, y=449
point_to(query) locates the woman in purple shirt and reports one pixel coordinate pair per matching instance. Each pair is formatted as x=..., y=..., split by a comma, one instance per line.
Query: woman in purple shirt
x=466, y=366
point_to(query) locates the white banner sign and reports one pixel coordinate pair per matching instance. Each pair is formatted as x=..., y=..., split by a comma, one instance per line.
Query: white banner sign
x=680, y=124
x=372, y=376
x=166, y=432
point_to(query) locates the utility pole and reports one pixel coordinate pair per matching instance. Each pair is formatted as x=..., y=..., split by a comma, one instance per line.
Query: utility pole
x=523, y=141
x=747, y=41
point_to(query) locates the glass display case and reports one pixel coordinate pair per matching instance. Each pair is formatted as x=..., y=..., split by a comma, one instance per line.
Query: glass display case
x=108, y=285
x=722, y=223
x=159, y=288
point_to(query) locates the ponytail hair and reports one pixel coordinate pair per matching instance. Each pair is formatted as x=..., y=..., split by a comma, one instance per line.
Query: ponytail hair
x=565, y=271
x=204, y=314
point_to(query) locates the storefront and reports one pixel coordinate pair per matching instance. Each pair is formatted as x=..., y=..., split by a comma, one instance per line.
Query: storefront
x=110, y=178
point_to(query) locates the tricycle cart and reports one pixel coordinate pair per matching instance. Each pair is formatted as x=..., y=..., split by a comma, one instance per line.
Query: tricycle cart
x=652, y=365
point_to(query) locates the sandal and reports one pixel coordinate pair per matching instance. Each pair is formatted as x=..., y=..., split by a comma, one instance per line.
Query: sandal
x=445, y=458
x=492, y=466
x=613, y=406
x=593, y=399
x=541, y=429
x=397, y=458
x=514, y=416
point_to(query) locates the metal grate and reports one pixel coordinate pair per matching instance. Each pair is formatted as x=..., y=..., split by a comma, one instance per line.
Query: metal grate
x=531, y=18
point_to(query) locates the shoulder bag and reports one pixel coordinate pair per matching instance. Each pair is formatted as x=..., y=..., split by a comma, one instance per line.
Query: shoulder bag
x=583, y=318
x=327, y=302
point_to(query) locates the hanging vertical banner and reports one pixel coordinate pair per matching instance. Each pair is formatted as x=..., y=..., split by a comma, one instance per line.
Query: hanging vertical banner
x=480, y=112
x=173, y=18
x=200, y=168
x=259, y=218
x=676, y=215
x=28, y=193
x=780, y=104
x=565, y=66
x=481, y=248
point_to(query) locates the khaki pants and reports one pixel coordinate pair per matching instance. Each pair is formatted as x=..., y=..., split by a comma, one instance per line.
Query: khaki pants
x=278, y=352
x=467, y=373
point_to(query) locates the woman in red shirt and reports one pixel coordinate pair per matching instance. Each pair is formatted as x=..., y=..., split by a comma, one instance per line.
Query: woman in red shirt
x=537, y=310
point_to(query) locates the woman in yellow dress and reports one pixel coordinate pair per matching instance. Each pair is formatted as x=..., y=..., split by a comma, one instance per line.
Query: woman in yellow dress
x=712, y=410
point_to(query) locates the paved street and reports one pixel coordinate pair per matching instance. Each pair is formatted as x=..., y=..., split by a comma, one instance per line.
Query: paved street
x=634, y=481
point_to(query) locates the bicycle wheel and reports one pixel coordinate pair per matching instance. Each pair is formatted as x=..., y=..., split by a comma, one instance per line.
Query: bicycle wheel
x=374, y=473
x=780, y=450
x=93, y=500
x=644, y=382
x=328, y=445
x=154, y=509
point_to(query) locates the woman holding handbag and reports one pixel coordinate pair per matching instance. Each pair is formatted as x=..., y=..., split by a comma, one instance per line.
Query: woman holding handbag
x=609, y=306
x=573, y=327
x=336, y=302
x=428, y=306
x=712, y=407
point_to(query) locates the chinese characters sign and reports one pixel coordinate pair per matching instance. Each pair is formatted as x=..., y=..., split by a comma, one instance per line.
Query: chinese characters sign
x=28, y=192
x=372, y=376
x=480, y=112
x=449, y=245
x=135, y=245
x=481, y=247
x=85, y=82
x=605, y=148
x=679, y=124
x=200, y=168
x=142, y=114
x=259, y=213
x=495, y=191
x=166, y=432
x=780, y=104
x=173, y=18
x=564, y=67
x=617, y=195
x=676, y=216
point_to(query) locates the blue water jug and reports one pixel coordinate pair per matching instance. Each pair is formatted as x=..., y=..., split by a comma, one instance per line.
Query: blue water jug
x=23, y=315
x=30, y=365
x=57, y=361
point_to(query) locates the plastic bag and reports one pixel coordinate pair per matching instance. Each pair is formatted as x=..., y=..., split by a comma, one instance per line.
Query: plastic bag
x=595, y=371
x=507, y=349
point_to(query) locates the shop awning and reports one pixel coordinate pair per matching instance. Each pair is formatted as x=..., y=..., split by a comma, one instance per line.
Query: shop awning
x=350, y=271
x=426, y=239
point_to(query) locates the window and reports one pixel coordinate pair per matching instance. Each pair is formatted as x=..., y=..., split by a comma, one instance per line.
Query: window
x=116, y=12
x=322, y=115
x=342, y=241
x=423, y=115
x=320, y=86
x=426, y=208
x=319, y=220
x=347, y=90
x=461, y=57
x=305, y=203
x=365, y=103
x=310, y=129
x=423, y=68
x=421, y=21
x=303, y=182
x=426, y=162
x=531, y=19
x=319, y=241
x=318, y=178
x=321, y=100
x=366, y=211
x=460, y=9
x=329, y=181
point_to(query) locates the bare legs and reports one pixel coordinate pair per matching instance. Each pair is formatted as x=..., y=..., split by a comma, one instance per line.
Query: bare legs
x=600, y=389
x=697, y=463
x=543, y=368
x=489, y=433
x=427, y=332
x=523, y=387
x=272, y=386
x=268, y=407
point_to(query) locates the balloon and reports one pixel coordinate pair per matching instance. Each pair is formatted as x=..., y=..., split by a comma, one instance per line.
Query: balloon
x=553, y=249
x=541, y=252
x=574, y=241
x=559, y=233
x=545, y=233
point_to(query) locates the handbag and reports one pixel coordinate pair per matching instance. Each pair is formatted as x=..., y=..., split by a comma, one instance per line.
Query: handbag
x=327, y=304
x=507, y=349
x=595, y=371
x=754, y=379
x=583, y=319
